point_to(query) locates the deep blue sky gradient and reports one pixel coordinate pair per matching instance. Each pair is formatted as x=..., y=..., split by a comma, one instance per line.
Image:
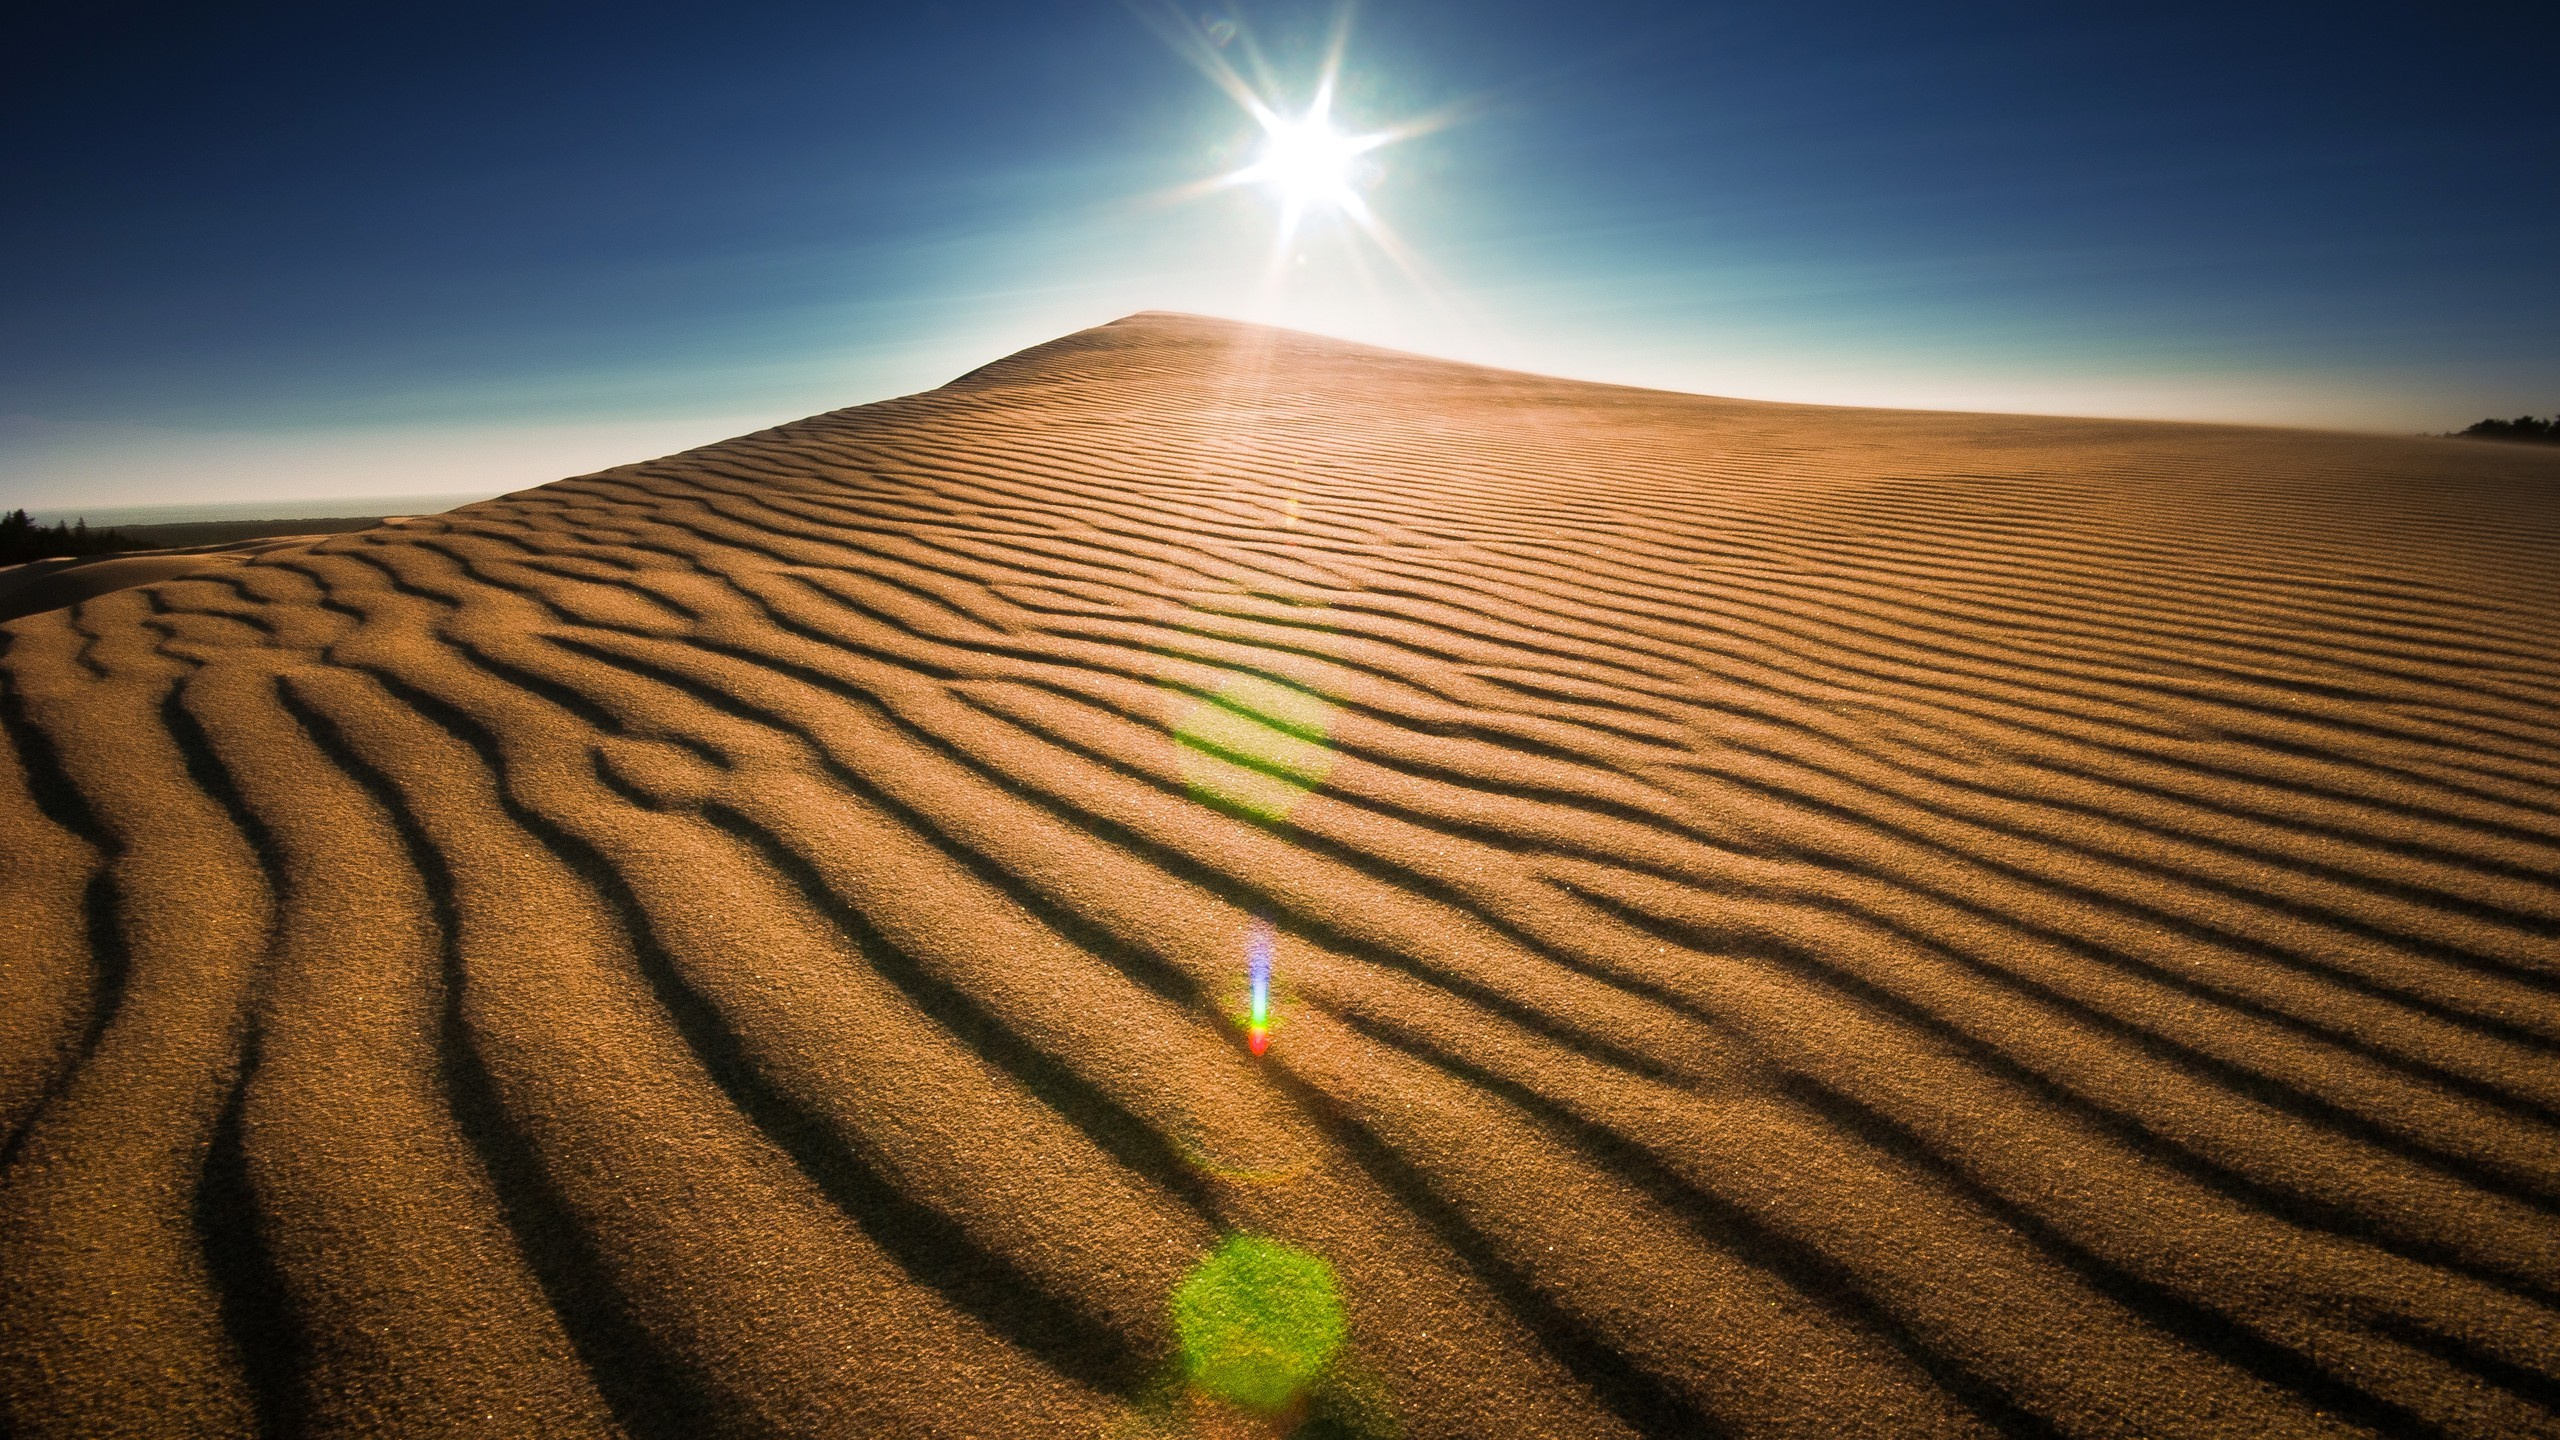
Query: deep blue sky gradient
x=343, y=248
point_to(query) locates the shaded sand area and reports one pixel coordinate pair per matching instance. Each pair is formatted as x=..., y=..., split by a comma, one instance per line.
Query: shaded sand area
x=1755, y=920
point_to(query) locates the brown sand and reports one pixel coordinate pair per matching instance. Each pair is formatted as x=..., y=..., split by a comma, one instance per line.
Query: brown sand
x=1789, y=921
x=41, y=585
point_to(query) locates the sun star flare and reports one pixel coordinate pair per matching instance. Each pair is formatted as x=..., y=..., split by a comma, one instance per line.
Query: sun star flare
x=1308, y=162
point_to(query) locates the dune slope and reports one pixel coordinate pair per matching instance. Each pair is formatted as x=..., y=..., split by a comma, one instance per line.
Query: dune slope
x=1778, y=921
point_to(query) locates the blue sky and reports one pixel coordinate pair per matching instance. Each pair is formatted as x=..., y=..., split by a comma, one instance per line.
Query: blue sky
x=268, y=251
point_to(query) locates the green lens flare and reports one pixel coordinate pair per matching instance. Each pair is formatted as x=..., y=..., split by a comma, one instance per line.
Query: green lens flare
x=1255, y=748
x=1257, y=1321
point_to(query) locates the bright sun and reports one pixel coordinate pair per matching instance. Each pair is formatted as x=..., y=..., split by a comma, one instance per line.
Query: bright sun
x=1311, y=166
x=1307, y=162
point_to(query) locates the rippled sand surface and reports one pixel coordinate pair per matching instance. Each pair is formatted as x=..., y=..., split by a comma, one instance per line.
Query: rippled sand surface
x=1771, y=920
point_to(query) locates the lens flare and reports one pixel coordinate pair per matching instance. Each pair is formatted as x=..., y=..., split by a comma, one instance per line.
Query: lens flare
x=1258, y=1320
x=1307, y=162
x=1257, y=968
x=1255, y=1159
x=1255, y=747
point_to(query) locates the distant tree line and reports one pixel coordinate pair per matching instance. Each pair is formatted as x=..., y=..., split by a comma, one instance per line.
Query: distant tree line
x=22, y=539
x=2523, y=427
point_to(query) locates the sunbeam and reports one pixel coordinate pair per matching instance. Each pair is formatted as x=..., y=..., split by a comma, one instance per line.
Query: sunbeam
x=1307, y=160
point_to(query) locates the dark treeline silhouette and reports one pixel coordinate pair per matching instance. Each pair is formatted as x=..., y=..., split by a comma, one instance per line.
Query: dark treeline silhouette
x=22, y=539
x=2523, y=427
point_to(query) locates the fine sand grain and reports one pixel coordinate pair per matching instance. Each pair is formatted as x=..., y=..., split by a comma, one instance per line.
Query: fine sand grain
x=1780, y=920
x=40, y=585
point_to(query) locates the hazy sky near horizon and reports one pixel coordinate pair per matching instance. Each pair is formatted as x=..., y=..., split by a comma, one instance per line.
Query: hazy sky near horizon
x=290, y=250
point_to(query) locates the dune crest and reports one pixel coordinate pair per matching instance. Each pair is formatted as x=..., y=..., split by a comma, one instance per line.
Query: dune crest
x=1766, y=919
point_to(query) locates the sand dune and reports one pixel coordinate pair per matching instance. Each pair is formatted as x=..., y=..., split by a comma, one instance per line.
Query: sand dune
x=41, y=585
x=1780, y=921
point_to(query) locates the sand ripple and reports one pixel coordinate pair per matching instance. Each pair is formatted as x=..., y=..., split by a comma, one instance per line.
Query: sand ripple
x=1780, y=921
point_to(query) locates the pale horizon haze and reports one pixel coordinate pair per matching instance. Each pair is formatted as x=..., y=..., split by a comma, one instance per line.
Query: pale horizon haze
x=293, y=253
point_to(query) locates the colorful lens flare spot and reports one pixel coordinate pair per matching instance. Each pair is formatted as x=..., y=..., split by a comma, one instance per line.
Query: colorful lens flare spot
x=1258, y=1320
x=1257, y=968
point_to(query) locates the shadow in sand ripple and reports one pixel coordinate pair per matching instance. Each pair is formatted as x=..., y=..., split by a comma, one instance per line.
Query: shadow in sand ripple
x=1205, y=881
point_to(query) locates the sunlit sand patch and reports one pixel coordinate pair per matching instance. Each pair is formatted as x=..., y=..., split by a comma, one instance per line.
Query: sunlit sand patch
x=1258, y=1160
